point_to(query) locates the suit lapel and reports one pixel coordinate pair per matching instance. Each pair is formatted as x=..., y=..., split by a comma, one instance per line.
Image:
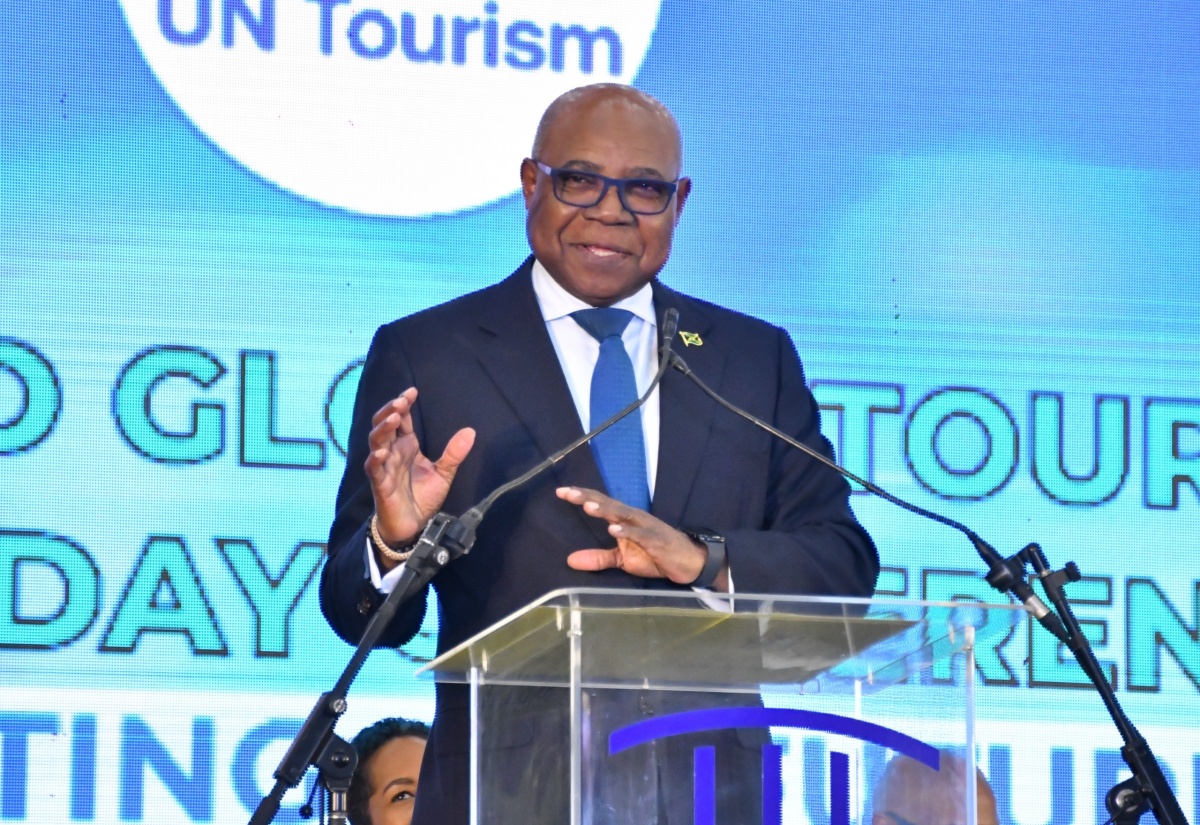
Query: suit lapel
x=516, y=352
x=685, y=414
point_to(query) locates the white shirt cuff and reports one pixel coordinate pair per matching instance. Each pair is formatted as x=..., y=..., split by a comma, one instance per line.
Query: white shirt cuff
x=710, y=599
x=383, y=583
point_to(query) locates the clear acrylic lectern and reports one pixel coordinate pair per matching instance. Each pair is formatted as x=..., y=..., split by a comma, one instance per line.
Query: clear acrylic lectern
x=622, y=707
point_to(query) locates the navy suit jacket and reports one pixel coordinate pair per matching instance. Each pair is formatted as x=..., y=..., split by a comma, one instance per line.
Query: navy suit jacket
x=486, y=361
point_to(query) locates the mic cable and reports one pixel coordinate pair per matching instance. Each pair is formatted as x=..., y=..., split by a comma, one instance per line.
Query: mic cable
x=1004, y=574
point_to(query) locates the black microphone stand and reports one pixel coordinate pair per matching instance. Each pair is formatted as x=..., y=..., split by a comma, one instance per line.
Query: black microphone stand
x=1147, y=789
x=443, y=540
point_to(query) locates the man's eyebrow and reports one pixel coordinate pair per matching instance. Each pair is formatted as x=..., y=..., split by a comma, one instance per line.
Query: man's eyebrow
x=646, y=172
x=400, y=780
x=639, y=172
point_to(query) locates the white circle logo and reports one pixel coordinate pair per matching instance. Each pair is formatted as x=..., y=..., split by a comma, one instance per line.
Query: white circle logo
x=384, y=107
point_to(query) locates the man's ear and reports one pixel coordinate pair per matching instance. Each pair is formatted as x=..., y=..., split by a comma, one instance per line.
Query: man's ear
x=681, y=196
x=529, y=174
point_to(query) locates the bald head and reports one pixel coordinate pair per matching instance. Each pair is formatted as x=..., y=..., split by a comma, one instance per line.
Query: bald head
x=621, y=143
x=586, y=96
x=910, y=793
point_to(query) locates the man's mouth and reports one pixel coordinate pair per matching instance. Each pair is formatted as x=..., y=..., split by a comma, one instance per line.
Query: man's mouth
x=601, y=251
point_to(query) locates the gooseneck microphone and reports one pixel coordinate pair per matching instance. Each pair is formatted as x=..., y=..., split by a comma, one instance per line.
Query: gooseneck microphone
x=1147, y=789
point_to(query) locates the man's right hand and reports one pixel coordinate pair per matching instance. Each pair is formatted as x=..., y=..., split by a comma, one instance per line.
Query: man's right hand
x=409, y=489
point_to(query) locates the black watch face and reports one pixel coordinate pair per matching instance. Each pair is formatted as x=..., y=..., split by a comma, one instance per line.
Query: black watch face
x=706, y=537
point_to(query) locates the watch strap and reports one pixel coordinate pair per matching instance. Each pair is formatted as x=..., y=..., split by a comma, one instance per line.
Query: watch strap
x=716, y=557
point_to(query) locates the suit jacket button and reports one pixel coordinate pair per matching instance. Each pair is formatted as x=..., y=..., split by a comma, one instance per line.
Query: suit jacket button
x=365, y=604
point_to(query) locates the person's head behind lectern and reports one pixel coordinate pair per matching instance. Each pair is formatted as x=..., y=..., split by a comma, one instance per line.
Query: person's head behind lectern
x=384, y=786
x=910, y=793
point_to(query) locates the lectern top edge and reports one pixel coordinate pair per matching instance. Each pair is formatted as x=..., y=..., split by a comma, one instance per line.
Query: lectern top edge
x=629, y=636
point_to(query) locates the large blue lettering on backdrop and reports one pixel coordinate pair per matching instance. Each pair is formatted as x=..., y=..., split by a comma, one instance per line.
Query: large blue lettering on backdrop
x=704, y=772
x=980, y=223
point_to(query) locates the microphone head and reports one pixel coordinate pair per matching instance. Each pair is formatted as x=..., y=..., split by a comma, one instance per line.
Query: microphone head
x=670, y=326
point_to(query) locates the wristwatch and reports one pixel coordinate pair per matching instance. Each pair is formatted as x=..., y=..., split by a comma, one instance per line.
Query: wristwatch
x=715, y=544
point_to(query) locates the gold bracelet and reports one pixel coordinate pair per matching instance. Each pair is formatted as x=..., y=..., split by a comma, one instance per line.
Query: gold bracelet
x=382, y=546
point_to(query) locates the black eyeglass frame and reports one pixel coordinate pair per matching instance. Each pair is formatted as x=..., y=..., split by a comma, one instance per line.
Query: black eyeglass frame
x=620, y=183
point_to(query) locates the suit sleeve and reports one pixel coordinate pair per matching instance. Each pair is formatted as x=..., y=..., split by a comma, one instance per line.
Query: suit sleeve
x=347, y=597
x=810, y=542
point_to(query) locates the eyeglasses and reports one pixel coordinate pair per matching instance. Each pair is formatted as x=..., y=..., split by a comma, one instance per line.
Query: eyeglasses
x=641, y=196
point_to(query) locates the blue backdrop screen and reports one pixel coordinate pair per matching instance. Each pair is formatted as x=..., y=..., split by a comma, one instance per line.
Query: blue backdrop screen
x=979, y=221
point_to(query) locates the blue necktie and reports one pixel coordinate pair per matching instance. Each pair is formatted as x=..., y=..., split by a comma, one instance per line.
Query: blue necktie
x=620, y=450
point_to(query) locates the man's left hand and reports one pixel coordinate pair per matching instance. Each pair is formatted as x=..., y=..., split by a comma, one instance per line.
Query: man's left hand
x=646, y=546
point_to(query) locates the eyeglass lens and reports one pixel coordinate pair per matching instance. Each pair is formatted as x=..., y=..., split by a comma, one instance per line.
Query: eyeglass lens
x=645, y=196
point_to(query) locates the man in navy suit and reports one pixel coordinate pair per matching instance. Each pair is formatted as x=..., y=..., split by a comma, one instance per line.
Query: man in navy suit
x=503, y=380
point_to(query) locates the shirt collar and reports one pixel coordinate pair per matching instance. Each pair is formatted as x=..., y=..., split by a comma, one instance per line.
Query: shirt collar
x=556, y=302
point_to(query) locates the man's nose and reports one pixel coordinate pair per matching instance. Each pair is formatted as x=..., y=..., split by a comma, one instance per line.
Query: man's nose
x=610, y=209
